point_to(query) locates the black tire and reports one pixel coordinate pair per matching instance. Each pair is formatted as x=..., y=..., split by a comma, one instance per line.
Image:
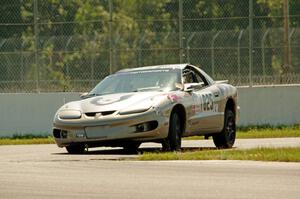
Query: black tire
x=225, y=139
x=131, y=147
x=76, y=149
x=166, y=145
x=173, y=141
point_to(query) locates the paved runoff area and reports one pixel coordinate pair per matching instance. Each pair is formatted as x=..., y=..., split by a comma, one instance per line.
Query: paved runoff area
x=46, y=171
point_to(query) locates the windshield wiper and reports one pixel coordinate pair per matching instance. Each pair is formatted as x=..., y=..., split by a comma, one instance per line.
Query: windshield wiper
x=147, y=88
x=97, y=94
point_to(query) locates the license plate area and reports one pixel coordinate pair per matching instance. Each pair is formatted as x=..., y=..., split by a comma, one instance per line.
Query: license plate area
x=75, y=134
x=97, y=131
x=107, y=131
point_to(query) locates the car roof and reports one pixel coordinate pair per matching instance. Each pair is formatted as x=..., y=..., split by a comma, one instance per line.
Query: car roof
x=166, y=66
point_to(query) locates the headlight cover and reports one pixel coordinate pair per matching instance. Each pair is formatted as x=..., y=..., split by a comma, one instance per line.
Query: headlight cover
x=137, y=108
x=69, y=114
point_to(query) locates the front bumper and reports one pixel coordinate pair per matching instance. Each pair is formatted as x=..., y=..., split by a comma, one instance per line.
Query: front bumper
x=146, y=126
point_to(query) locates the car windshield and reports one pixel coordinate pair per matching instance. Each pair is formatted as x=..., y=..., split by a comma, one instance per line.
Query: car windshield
x=138, y=81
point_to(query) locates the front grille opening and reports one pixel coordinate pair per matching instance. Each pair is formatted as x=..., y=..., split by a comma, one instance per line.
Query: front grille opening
x=56, y=133
x=90, y=114
x=107, y=113
x=147, y=126
x=104, y=113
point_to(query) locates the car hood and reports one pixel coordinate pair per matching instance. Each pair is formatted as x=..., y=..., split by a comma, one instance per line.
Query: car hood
x=113, y=102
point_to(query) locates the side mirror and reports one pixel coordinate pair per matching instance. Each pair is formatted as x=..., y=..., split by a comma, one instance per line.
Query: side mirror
x=189, y=87
x=84, y=95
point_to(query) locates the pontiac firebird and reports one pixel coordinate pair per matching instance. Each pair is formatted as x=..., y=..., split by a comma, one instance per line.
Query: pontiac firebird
x=149, y=104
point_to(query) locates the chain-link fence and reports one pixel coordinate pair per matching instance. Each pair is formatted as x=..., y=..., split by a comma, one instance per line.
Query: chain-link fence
x=70, y=45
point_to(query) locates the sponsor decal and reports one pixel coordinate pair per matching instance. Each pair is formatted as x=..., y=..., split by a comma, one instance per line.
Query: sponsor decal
x=174, y=97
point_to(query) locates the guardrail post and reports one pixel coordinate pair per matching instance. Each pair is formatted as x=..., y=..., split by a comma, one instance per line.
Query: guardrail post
x=110, y=37
x=22, y=61
x=67, y=45
x=286, y=60
x=263, y=54
x=93, y=55
x=140, y=50
x=188, y=46
x=239, y=55
x=180, y=21
x=290, y=50
x=250, y=41
x=213, y=54
x=36, y=45
x=164, y=51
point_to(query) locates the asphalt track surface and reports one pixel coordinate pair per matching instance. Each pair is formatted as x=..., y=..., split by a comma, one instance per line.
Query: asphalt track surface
x=46, y=171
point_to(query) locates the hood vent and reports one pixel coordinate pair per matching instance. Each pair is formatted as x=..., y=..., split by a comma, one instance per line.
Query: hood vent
x=104, y=113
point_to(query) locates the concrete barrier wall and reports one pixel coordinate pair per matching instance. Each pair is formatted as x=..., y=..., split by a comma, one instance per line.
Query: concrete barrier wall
x=33, y=113
x=30, y=113
x=274, y=105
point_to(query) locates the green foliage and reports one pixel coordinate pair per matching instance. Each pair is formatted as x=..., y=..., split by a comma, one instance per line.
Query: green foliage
x=22, y=141
x=18, y=139
x=29, y=136
x=136, y=25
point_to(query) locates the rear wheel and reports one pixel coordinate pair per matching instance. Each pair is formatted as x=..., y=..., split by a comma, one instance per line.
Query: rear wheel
x=225, y=139
x=76, y=149
x=173, y=141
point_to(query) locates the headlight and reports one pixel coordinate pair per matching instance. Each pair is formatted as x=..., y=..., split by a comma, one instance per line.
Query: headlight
x=132, y=111
x=69, y=114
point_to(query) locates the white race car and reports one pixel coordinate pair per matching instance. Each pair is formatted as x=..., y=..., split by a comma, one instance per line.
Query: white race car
x=149, y=104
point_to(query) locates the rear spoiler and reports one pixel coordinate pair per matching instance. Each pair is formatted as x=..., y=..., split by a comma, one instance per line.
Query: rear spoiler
x=221, y=82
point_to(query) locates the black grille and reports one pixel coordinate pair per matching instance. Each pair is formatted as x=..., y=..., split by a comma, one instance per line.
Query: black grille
x=107, y=113
x=104, y=113
x=90, y=114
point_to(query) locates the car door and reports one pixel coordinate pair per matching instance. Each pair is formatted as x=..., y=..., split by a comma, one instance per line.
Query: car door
x=206, y=117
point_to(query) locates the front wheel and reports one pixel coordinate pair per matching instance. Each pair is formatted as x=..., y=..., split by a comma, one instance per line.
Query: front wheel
x=173, y=141
x=225, y=139
x=131, y=147
x=76, y=149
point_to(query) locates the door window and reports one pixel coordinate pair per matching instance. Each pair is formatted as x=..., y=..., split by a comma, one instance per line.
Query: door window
x=190, y=75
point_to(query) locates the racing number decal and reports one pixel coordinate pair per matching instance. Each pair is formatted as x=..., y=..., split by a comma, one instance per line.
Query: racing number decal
x=204, y=102
x=208, y=102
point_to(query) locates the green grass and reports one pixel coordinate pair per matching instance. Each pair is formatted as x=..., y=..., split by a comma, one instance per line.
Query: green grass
x=270, y=132
x=258, y=154
x=262, y=132
x=26, y=140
